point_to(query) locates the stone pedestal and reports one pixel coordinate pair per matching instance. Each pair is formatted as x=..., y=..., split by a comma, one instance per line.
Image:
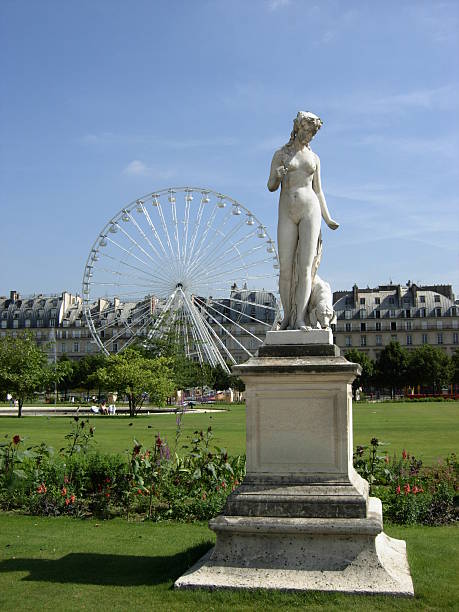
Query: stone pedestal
x=302, y=518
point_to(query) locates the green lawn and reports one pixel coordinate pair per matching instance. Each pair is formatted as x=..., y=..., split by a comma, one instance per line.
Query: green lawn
x=68, y=564
x=427, y=430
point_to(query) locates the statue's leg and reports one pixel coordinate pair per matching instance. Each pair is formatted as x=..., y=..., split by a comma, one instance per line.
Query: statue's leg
x=287, y=240
x=309, y=229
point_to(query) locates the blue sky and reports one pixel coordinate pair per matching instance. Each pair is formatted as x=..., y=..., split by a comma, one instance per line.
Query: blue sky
x=105, y=100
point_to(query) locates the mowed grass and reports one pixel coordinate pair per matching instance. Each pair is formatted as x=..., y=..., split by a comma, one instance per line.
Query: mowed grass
x=70, y=564
x=428, y=430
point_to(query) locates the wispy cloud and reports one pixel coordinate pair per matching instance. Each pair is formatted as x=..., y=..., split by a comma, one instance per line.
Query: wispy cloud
x=138, y=168
x=274, y=5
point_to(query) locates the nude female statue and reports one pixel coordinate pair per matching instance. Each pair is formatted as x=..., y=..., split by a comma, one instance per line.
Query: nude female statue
x=301, y=205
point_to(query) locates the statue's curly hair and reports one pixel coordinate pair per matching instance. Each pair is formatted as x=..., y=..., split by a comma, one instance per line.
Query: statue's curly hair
x=313, y=119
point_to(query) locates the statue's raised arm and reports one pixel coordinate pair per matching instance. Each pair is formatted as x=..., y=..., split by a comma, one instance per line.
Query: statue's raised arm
x=301, y=206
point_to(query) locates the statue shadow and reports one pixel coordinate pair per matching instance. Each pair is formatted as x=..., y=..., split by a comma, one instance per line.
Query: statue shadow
x=104, y=569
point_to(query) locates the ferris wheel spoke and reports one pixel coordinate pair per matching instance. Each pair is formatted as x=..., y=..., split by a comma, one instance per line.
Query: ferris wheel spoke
x=121, y=322
x=220, y=341
x=243, y=314
x=217, y=263
x=238, y=269
x=253, y=303
x=197, y=257
x=128, y=252
x=166, y=232
x=212, y=353
x=204, y=234
x=154, y=230
x=136, y=244
x=197, y=225
x=143, y=234
x=185, y=225
x=125, y=274
x=226, y=331
x=220, y=314
x=175, y=223
x=210, y=249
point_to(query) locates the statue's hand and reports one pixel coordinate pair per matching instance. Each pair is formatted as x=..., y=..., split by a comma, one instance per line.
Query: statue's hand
x=281, y=171
x=332, y=224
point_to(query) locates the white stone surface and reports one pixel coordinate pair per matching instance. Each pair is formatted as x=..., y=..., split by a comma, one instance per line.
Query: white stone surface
x=300, y=336
x=301, y=206
x=350, y=556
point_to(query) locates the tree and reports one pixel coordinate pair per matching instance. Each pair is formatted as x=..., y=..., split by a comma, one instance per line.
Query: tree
x=391, y=367
x=136, y=376
x=24, y=368
x=455, y=367
x=429, y=366
x=220, y=378
x=84, y=371
x=364, y=380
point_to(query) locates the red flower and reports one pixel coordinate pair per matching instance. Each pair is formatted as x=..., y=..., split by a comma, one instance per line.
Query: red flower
x=72, y=499
x=67, y=501
x=223, y=484
x=64, y=491
x=66, y=480
x=107, y=495
x=415, y=490
x=16, y=439
x=407, y=488
x=397, y=490
x=107, y=480
x=404, y=454
x=139, y=491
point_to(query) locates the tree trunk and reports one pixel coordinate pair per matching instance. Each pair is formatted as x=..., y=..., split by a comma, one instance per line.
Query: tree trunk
x=20, y=402
x=131, y=405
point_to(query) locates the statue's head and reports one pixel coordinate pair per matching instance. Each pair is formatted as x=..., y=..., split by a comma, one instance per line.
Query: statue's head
x=305, y=126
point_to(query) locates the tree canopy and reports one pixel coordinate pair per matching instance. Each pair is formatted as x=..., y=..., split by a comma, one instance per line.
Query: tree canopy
x=391, y=368
x=429, y=366
x=137, y=376
x=24, y=368
x=365, y=379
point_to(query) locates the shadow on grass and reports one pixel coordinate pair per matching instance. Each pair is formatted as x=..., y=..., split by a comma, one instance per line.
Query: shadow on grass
x=99, y=569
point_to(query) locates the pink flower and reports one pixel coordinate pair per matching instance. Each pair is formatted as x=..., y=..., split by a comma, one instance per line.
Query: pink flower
x=404, y=454
x=407, y=488
x=67, y=501
x=397, y=490
x=223, y=484
x=72, y=499
x=415, y=490
x=64, y=491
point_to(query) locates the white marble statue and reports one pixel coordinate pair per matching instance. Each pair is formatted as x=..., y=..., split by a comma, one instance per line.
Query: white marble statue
x=301, y=205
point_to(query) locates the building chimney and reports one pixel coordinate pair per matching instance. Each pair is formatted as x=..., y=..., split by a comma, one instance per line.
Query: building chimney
x=14, y=295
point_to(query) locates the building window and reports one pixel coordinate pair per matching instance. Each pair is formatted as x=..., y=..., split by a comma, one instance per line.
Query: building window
x=393, y=325
x=407, y=313
x=409, y=340
x=392, y=313
x=377, y=300
x=437, y=298
x=76, y=333
x=454, y=311
x=15, y=323
x=378, y=326
x=363, y=313
x=455, y=338
x=408, y=325
x=391, y=300
x=348, y=327
x=39, y=323
x=363, y=340
x=377, y=314
x=76, y=347
x=348, y=341
x=52, y=323
x=348, y=314
x=439, y=338
x=438, y=312
x=378, y=340
x=348, y=300
x=422, y=299
x=439, y=324
x=363, y=327
x=62, y=347
x=424, y=338
x=27, y=322
x=422, y=312
x=393, y=338
x=362, y=301
x=115, y=347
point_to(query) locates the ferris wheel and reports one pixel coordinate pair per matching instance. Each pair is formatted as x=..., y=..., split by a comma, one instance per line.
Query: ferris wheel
x=185, y=263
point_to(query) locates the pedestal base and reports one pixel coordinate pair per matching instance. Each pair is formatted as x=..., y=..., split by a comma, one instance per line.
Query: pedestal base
x=335, y=555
